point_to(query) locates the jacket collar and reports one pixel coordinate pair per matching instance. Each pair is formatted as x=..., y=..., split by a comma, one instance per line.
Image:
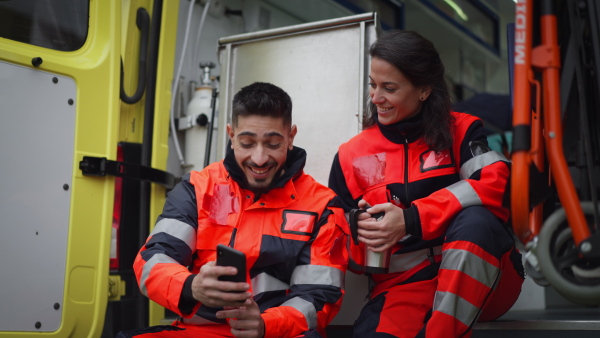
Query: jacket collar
x=294, y=164
x=400, y=132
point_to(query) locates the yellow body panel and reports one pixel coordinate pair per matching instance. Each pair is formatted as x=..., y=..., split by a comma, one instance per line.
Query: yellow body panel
x=95, y=69
x=160, y=148
x=102, y=120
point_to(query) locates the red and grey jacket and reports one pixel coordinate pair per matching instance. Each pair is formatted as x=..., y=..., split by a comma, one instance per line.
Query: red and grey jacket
x=293, y=237
x=394, y=164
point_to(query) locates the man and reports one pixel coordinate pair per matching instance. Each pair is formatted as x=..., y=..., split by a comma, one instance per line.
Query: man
x=258, y=201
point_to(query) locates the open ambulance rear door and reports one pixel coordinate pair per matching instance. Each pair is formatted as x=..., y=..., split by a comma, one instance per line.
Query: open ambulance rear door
x=62, y=125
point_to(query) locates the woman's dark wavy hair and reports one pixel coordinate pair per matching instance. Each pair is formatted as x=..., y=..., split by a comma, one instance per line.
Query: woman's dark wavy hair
x=418, y=60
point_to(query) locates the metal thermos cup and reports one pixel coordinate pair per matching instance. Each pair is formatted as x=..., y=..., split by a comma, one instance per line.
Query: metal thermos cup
x=375, y=262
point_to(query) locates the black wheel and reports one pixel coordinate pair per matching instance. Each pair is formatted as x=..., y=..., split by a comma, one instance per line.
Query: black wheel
x=575, y=278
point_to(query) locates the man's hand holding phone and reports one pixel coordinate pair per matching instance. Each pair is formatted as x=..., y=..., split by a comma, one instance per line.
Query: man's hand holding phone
x=211, y=286
x=244, y=319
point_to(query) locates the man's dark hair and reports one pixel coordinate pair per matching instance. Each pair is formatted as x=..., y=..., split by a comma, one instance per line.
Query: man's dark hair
x=418, y=60
x=263, y=99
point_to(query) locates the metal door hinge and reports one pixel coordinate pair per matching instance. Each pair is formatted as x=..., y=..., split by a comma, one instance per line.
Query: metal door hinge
x=116, y=288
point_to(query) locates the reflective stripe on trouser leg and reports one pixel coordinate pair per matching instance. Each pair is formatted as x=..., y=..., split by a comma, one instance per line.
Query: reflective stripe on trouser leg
x=469, y=271
x=508, y=289
x=459, y=296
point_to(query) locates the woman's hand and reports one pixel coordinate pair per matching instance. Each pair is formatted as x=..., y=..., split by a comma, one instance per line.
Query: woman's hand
x=380, y=235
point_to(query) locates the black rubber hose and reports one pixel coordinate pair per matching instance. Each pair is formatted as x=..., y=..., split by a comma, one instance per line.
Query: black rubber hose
x=143, y=23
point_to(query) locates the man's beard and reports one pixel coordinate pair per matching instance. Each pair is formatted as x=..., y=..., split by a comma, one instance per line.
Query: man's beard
x=259, y=189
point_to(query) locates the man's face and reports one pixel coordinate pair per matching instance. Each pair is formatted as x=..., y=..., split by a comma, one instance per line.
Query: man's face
x=260, y=145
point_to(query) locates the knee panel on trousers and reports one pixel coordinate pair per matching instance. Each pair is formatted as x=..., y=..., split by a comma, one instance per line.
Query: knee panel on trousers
x=479, y=226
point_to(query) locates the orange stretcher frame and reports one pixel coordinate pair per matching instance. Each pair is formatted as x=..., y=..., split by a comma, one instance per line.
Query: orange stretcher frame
x=532, y=139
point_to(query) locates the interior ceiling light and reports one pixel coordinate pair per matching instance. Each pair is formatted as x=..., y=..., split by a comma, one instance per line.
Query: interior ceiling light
x=457, y=9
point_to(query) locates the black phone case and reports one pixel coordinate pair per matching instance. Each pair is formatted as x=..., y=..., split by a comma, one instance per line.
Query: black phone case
x=227, y=256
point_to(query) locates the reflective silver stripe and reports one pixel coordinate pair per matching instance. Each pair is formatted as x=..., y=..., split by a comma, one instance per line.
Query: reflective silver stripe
x=306, y=308
x=265, y=282
x=197, y=320
x=156, y=259
x=407, y=261
x=465, y=194
x=317, y=274
x=470, y=264
x=480, y=161
x=455, y=306
x=177, y=229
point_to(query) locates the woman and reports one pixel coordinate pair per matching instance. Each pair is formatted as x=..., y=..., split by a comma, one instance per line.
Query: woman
x=442, y=191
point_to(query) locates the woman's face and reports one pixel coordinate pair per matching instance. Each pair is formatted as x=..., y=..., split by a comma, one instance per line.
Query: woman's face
x=394, y=95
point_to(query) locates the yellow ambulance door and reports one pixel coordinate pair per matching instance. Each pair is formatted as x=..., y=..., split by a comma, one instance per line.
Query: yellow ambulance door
x=62, y=118
x=59, y=67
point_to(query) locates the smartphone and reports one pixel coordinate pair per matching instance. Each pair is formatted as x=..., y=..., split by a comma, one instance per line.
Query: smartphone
x=227, y=256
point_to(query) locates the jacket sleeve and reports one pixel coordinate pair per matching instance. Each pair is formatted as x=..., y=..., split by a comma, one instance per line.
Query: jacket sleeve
x=161, y=266
x=317, y=282
x=337, y=183
x=484, y=176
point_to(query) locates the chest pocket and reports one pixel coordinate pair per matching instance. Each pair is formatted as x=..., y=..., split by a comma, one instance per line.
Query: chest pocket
x=298, y=222
x=284, y=239
x=215, y=220
x=369, y=170
x=430, y=160
x=369, y=173
x=433, y=164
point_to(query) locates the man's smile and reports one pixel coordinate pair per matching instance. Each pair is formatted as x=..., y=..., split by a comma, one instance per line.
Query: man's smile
x=260, y=171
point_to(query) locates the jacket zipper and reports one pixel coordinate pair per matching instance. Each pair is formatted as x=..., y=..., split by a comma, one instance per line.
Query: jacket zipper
x=430, y=254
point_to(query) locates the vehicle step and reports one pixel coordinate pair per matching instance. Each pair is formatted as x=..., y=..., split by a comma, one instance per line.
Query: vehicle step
x=579, y=322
